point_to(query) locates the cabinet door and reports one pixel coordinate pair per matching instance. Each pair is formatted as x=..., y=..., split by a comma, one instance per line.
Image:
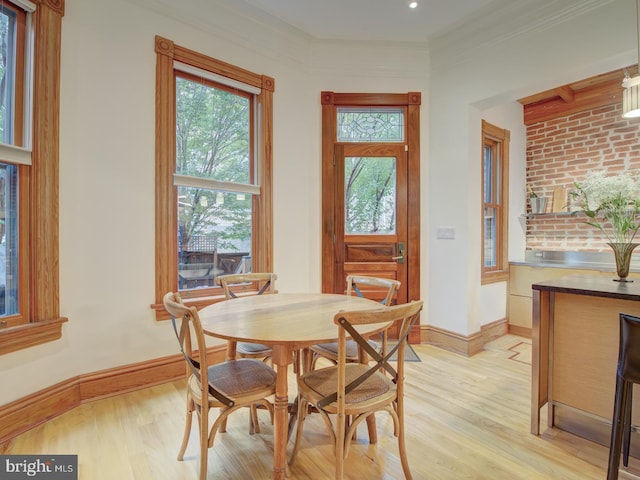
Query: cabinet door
x=521, y=277
x=520, y=311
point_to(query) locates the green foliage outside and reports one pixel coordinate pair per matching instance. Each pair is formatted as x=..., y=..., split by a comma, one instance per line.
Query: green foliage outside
x=213, y=141
x=370, y=185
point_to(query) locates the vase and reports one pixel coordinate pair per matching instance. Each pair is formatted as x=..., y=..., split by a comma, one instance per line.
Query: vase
x=622, y=253
x=538, y=204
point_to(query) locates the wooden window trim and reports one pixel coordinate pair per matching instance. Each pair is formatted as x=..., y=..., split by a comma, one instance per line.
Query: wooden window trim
x=500, y=273
x=166, y=264
x=39, y=274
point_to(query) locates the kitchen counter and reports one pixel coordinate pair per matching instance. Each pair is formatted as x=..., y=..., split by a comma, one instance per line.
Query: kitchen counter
x=600, y=261
x=575, y=336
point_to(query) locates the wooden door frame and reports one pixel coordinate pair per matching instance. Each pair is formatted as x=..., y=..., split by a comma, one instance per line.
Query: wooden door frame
x=412, y=101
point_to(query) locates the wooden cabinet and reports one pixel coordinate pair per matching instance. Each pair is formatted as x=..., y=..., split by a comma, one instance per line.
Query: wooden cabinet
x=521, y=277
x=574, y=354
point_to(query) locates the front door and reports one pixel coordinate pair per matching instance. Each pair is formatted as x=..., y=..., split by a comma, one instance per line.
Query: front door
x=371, y=198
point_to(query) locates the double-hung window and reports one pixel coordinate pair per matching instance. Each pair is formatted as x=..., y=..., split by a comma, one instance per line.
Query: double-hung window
x=213, y=158
x=30, y=34
x=495, y=190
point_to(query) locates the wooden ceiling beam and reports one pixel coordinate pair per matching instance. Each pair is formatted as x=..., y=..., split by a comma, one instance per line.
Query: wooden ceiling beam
x=593, y=92
x=566, y=93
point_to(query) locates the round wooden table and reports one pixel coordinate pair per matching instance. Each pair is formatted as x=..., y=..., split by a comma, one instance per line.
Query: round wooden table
x=286, y=322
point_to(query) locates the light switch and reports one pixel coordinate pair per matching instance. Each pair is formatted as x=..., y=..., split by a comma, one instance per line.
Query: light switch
x=446, y=233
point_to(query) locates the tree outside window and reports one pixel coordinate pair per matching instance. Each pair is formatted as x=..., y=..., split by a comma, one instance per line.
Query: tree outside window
x=495, y=175
x=213, y=158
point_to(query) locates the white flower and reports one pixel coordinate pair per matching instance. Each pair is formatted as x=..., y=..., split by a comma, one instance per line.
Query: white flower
x=612, y=204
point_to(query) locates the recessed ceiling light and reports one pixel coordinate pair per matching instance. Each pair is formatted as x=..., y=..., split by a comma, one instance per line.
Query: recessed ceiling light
x=413, y=4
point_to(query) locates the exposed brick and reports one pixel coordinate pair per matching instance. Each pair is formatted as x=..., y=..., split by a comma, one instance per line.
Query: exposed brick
x=564, y=150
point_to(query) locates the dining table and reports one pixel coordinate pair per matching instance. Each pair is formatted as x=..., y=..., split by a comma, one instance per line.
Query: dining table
x=287, y=322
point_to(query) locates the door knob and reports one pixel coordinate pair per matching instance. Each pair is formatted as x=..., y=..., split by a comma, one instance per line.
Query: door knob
x=400, y=257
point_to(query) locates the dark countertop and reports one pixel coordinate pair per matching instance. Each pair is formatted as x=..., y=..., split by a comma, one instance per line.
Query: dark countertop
x=592, y=285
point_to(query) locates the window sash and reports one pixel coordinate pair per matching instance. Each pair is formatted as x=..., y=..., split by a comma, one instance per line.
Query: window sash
x=198, y=182
x=214, y=77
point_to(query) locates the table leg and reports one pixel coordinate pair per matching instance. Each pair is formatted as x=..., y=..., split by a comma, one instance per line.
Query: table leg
x=282, y=357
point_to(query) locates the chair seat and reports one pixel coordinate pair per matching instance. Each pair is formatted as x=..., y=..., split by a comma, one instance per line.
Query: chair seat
x=245, y=348
x=330, y=350
x=321, y=383
x=245, y=378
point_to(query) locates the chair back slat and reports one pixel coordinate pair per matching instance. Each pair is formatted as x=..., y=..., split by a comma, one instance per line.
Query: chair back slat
x=266, y=282
x=356, y=284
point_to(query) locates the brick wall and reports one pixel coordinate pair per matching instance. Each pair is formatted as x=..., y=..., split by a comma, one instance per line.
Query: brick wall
x=563, y=150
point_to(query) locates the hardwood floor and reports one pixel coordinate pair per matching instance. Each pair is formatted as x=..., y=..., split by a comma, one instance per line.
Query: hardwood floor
x=466, y=418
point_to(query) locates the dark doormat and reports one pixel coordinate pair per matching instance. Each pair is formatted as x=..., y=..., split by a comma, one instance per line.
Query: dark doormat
x=410, y=354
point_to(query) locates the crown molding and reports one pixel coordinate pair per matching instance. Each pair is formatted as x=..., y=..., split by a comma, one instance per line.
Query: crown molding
x=501, y=21
x=250, y=28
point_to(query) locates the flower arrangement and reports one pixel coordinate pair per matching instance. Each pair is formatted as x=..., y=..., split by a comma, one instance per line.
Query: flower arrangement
x=611, y=203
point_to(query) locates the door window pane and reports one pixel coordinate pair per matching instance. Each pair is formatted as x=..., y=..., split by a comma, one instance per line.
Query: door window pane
x=370, y=195
x=356, y=124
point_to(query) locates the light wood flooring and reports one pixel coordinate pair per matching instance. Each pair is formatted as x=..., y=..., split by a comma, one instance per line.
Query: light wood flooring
x=467, y=418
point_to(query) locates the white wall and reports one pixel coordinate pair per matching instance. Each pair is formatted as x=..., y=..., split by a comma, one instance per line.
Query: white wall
x=107, y=159
x=474, y=78
x=107, y=168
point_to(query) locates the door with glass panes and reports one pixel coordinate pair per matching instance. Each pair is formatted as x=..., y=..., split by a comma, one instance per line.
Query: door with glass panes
x=370, y=201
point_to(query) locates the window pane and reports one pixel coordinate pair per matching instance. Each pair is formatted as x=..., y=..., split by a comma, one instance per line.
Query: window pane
x=370, y=125
x=8, y=239
x=370, y=195
x=488, y=174
x=214, y=235
x=7, y=68
x=490, y=237
x=212, y=132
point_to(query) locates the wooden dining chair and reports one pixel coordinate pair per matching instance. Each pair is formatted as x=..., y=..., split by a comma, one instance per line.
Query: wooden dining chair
x=386, y=288
x=356, y=390
x=229, y=386
x=232, y=287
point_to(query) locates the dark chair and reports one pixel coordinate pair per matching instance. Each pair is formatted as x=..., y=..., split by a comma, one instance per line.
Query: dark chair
x=627, y=373
x=351, y=392
x=228, y=385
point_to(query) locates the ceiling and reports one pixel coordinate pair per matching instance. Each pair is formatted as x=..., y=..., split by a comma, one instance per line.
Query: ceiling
x=394, y=21
x=372, y=20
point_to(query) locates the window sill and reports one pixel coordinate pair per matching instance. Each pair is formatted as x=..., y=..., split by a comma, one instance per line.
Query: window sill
x=199, y=303
x=494, y=277
x=30, y=334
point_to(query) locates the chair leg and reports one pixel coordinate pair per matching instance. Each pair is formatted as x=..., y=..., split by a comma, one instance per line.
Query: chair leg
x=187, y=427
x=402, y=447
x=254, y=426
x=615, y=447
x=303, y=406
x=341, y=432
x=371, y=427
x=627, y=429
x=204, y=440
